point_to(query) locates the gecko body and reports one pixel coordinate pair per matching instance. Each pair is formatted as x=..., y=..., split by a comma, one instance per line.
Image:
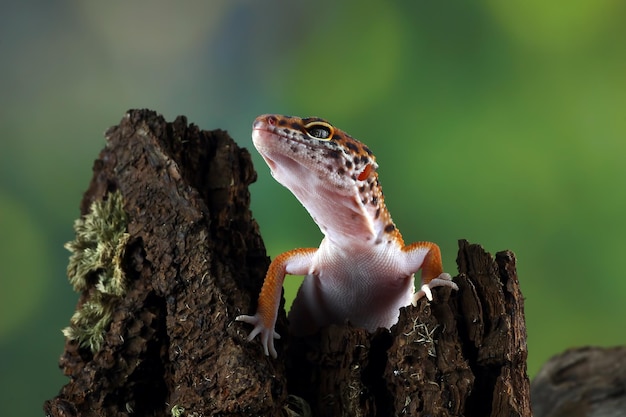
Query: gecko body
x=362, y=271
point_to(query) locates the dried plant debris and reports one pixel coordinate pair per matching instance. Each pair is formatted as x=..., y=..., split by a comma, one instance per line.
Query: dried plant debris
x=95, y=268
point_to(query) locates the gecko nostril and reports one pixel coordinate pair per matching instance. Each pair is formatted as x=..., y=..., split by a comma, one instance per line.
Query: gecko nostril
x=271, y=120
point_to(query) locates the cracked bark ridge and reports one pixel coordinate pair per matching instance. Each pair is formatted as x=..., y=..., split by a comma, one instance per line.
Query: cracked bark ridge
x=462, y=355
x=194, y=261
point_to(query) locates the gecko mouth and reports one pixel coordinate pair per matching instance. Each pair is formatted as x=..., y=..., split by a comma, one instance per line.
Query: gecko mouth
x=267, y=141
x=279, y=133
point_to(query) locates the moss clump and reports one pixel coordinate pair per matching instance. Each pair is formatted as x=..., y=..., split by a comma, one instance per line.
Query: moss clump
x=95, y=266
x=177, y=411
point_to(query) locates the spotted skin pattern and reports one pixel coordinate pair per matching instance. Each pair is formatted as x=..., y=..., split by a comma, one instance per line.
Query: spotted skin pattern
x=362, y=271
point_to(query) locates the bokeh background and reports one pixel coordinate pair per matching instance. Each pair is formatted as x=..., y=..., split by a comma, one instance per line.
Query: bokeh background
x=499, y=122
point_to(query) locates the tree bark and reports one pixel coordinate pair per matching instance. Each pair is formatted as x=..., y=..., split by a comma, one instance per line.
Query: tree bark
x=193, y=260
x=587, y=381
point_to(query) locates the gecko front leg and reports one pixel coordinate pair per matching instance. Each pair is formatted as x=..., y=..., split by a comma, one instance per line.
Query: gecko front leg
x=427, y=256
x=293, y=262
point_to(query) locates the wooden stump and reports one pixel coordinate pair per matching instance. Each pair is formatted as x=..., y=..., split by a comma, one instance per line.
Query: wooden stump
x=191, y=260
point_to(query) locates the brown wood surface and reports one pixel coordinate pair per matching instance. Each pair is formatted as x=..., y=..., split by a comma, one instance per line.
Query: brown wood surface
x=583, y=382
x=195, y=260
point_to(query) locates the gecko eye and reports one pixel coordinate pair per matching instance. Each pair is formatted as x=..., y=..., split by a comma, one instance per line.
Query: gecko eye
x=319, y=130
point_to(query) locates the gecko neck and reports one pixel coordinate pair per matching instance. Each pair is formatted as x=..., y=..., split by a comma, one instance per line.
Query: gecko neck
x=349, y=220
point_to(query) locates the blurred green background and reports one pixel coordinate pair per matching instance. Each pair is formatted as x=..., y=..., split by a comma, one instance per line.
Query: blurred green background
x=498, y=122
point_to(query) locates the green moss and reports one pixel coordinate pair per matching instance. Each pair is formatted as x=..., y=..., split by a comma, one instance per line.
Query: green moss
x=95, y=266
x=177, y=411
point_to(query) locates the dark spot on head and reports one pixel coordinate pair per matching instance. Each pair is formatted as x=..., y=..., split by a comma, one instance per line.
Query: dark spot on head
x=377, y=215
x=295, y=126
x=352, y=147
x=286, y=131
x=353, y=177
x=333, y=153
x=341, y=171
x=362, y=188
x=366, y=149
x=329, y=167
x=348, y=164
x=372, y=185
x=374, y=201
x=390, y=228
x=364, y=201
x=336, y=137
x=378, y=241
x=356, y=160
x=294, y=148
x=365, y=159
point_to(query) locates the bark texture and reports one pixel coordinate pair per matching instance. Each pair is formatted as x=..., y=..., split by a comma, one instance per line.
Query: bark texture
x=583, y=382
x=195, y=260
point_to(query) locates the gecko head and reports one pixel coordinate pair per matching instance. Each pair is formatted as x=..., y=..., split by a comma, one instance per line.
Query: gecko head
x=312, y=152
x=332, y=174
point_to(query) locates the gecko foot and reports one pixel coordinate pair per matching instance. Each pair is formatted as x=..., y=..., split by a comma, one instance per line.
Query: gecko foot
x=443, y=280
x=267, y=335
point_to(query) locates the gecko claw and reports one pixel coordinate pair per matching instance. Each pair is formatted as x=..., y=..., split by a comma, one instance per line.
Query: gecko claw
x=267, y=335
x=443, y=280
